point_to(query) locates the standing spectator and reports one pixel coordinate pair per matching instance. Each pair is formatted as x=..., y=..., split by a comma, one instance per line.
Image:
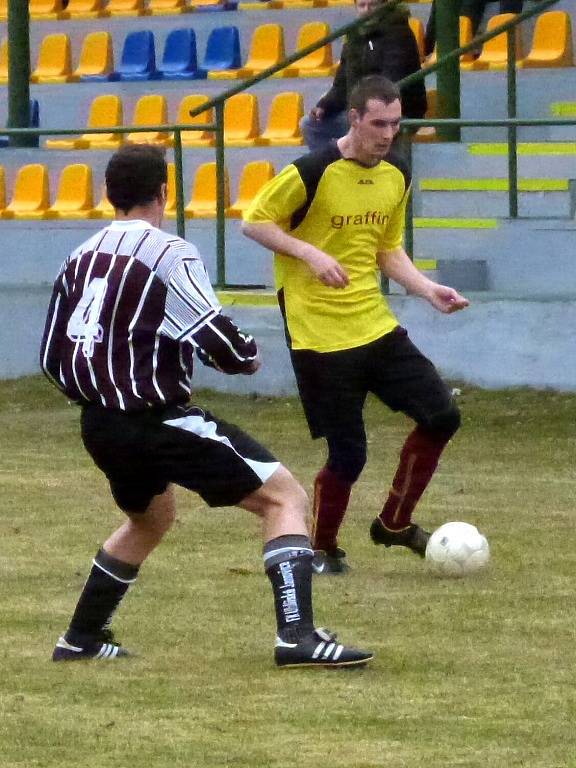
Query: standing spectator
x=129, y=308
x=382, y=46
x=335, y=218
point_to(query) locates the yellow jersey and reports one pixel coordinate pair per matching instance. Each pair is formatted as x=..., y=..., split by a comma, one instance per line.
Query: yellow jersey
x=351, y=212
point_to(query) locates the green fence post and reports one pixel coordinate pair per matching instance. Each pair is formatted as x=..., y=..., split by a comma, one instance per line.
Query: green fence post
x=512, y=130
x=179, y=184
x=448, y=76
x=19, y=72
x=220, y=191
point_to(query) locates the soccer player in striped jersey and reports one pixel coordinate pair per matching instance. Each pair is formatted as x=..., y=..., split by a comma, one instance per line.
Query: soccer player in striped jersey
x=334, y=219
x=129, y=310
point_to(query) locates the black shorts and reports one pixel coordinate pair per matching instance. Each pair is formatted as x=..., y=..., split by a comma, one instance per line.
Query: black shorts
x=142, y=452
x=333, y=386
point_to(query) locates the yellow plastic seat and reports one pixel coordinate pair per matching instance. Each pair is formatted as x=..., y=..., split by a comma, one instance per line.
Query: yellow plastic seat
x=4, y=61
x=54, y=60
x=104, y=209
x=298, y=4
x=494, y=53
x=126, y=8
x=2, y=190
x=170, y=209
x=253, y=177
x=315, y=64
x=241, y=120
x=203, y=3
x=465, y=37
x=85, y=9
x=266, y=49
x=31, y=197
x=203, y=200
x=150, y=110
x=283, y=126
x=41, y=10
x=96, y=56
x=74, y=199
x=105, y=112
x=3, y=10
x=167, y=7
x=418, y=31
x=552, y=42
x=194, y=138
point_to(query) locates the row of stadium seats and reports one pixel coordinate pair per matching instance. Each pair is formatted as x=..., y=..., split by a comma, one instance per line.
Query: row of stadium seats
x=241, y=122
x=75, y=200
x=49, y=10
x=551, y=47
x=179, y=59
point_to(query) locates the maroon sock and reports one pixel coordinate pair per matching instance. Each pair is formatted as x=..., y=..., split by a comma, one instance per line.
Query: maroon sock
x=418, y=460
x=331, y=494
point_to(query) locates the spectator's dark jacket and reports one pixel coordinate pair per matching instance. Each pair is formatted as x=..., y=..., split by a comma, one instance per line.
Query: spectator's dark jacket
x=386, y=47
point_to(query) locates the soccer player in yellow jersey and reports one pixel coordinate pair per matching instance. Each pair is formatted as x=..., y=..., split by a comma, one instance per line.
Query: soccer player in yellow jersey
x=334, y=219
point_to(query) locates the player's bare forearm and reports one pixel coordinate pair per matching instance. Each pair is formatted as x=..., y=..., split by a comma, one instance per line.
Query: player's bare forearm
x=396, y=265
x=271, y=236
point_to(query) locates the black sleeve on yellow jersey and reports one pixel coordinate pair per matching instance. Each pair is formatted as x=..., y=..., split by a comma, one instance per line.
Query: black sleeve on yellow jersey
x=398, y=162
x=311, y=167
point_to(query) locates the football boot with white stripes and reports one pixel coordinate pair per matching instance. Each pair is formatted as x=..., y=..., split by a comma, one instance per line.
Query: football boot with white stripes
x=320, y=649
x=100, y=649
x=413, y=537
x=330, y=562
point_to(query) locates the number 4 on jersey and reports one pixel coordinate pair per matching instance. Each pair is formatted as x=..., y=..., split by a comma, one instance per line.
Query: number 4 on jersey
x=83, y=324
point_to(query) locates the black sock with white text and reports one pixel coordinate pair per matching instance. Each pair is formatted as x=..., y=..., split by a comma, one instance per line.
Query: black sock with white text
x=288, y=564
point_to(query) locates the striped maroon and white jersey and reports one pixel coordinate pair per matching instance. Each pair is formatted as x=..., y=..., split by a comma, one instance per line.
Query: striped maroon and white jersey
x=128, y=309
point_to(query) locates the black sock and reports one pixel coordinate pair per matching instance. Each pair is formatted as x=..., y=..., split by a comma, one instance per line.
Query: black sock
x=104, y=589
x=288, y=564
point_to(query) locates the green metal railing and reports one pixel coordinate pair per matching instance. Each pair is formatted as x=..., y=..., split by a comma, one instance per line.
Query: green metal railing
x=447, y=124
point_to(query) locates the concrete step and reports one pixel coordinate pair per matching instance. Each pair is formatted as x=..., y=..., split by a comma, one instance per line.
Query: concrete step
x=468, y=197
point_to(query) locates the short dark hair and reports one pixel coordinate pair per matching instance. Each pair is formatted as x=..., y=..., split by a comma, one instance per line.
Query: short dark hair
x=134, y=176
x=372, y=87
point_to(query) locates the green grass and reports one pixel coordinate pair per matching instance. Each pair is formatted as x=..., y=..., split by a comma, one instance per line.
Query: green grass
x=474, y=673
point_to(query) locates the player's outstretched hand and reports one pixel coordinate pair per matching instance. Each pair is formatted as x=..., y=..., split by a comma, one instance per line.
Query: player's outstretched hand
x=326, y=269
x=446, y=299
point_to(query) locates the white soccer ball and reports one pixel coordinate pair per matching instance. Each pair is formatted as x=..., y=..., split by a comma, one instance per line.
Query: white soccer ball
x=457, y=549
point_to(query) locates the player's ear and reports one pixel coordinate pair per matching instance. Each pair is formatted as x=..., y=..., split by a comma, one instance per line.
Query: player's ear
x=353, y=117
x=163, y=196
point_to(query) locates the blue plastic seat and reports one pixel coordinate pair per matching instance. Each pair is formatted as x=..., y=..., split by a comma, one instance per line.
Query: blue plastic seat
x=34, y=123
x=138, y=57
x=179, y=57
x=222, y=50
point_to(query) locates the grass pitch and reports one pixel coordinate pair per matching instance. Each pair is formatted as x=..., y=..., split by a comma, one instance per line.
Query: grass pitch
x=476, y=673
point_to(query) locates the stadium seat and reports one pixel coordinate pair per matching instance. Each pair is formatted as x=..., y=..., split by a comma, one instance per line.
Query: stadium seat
x=138, y=57
x=266, y=49
x=104, y=209
x=315, y=64
x=74, y=198
x=552, y=42
x=54, y=61
x=194, y=138
x=126, y=8
x=254, y=175
x=494, y=53
x=85, y=9
x=42, y=10
x=4, y=61
x=241, y=120
x=222, y=51
x=167, y=7
x=3, y=10
x=283, y=126
x=203, y=200
x=105, y=112
x=31, y=197
x=150, y=110
x=298, y=4
x=170, y=208
x=179, y=57
x=465, y=37
x=418, y=31
x=208, y=5
x=96, y=62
